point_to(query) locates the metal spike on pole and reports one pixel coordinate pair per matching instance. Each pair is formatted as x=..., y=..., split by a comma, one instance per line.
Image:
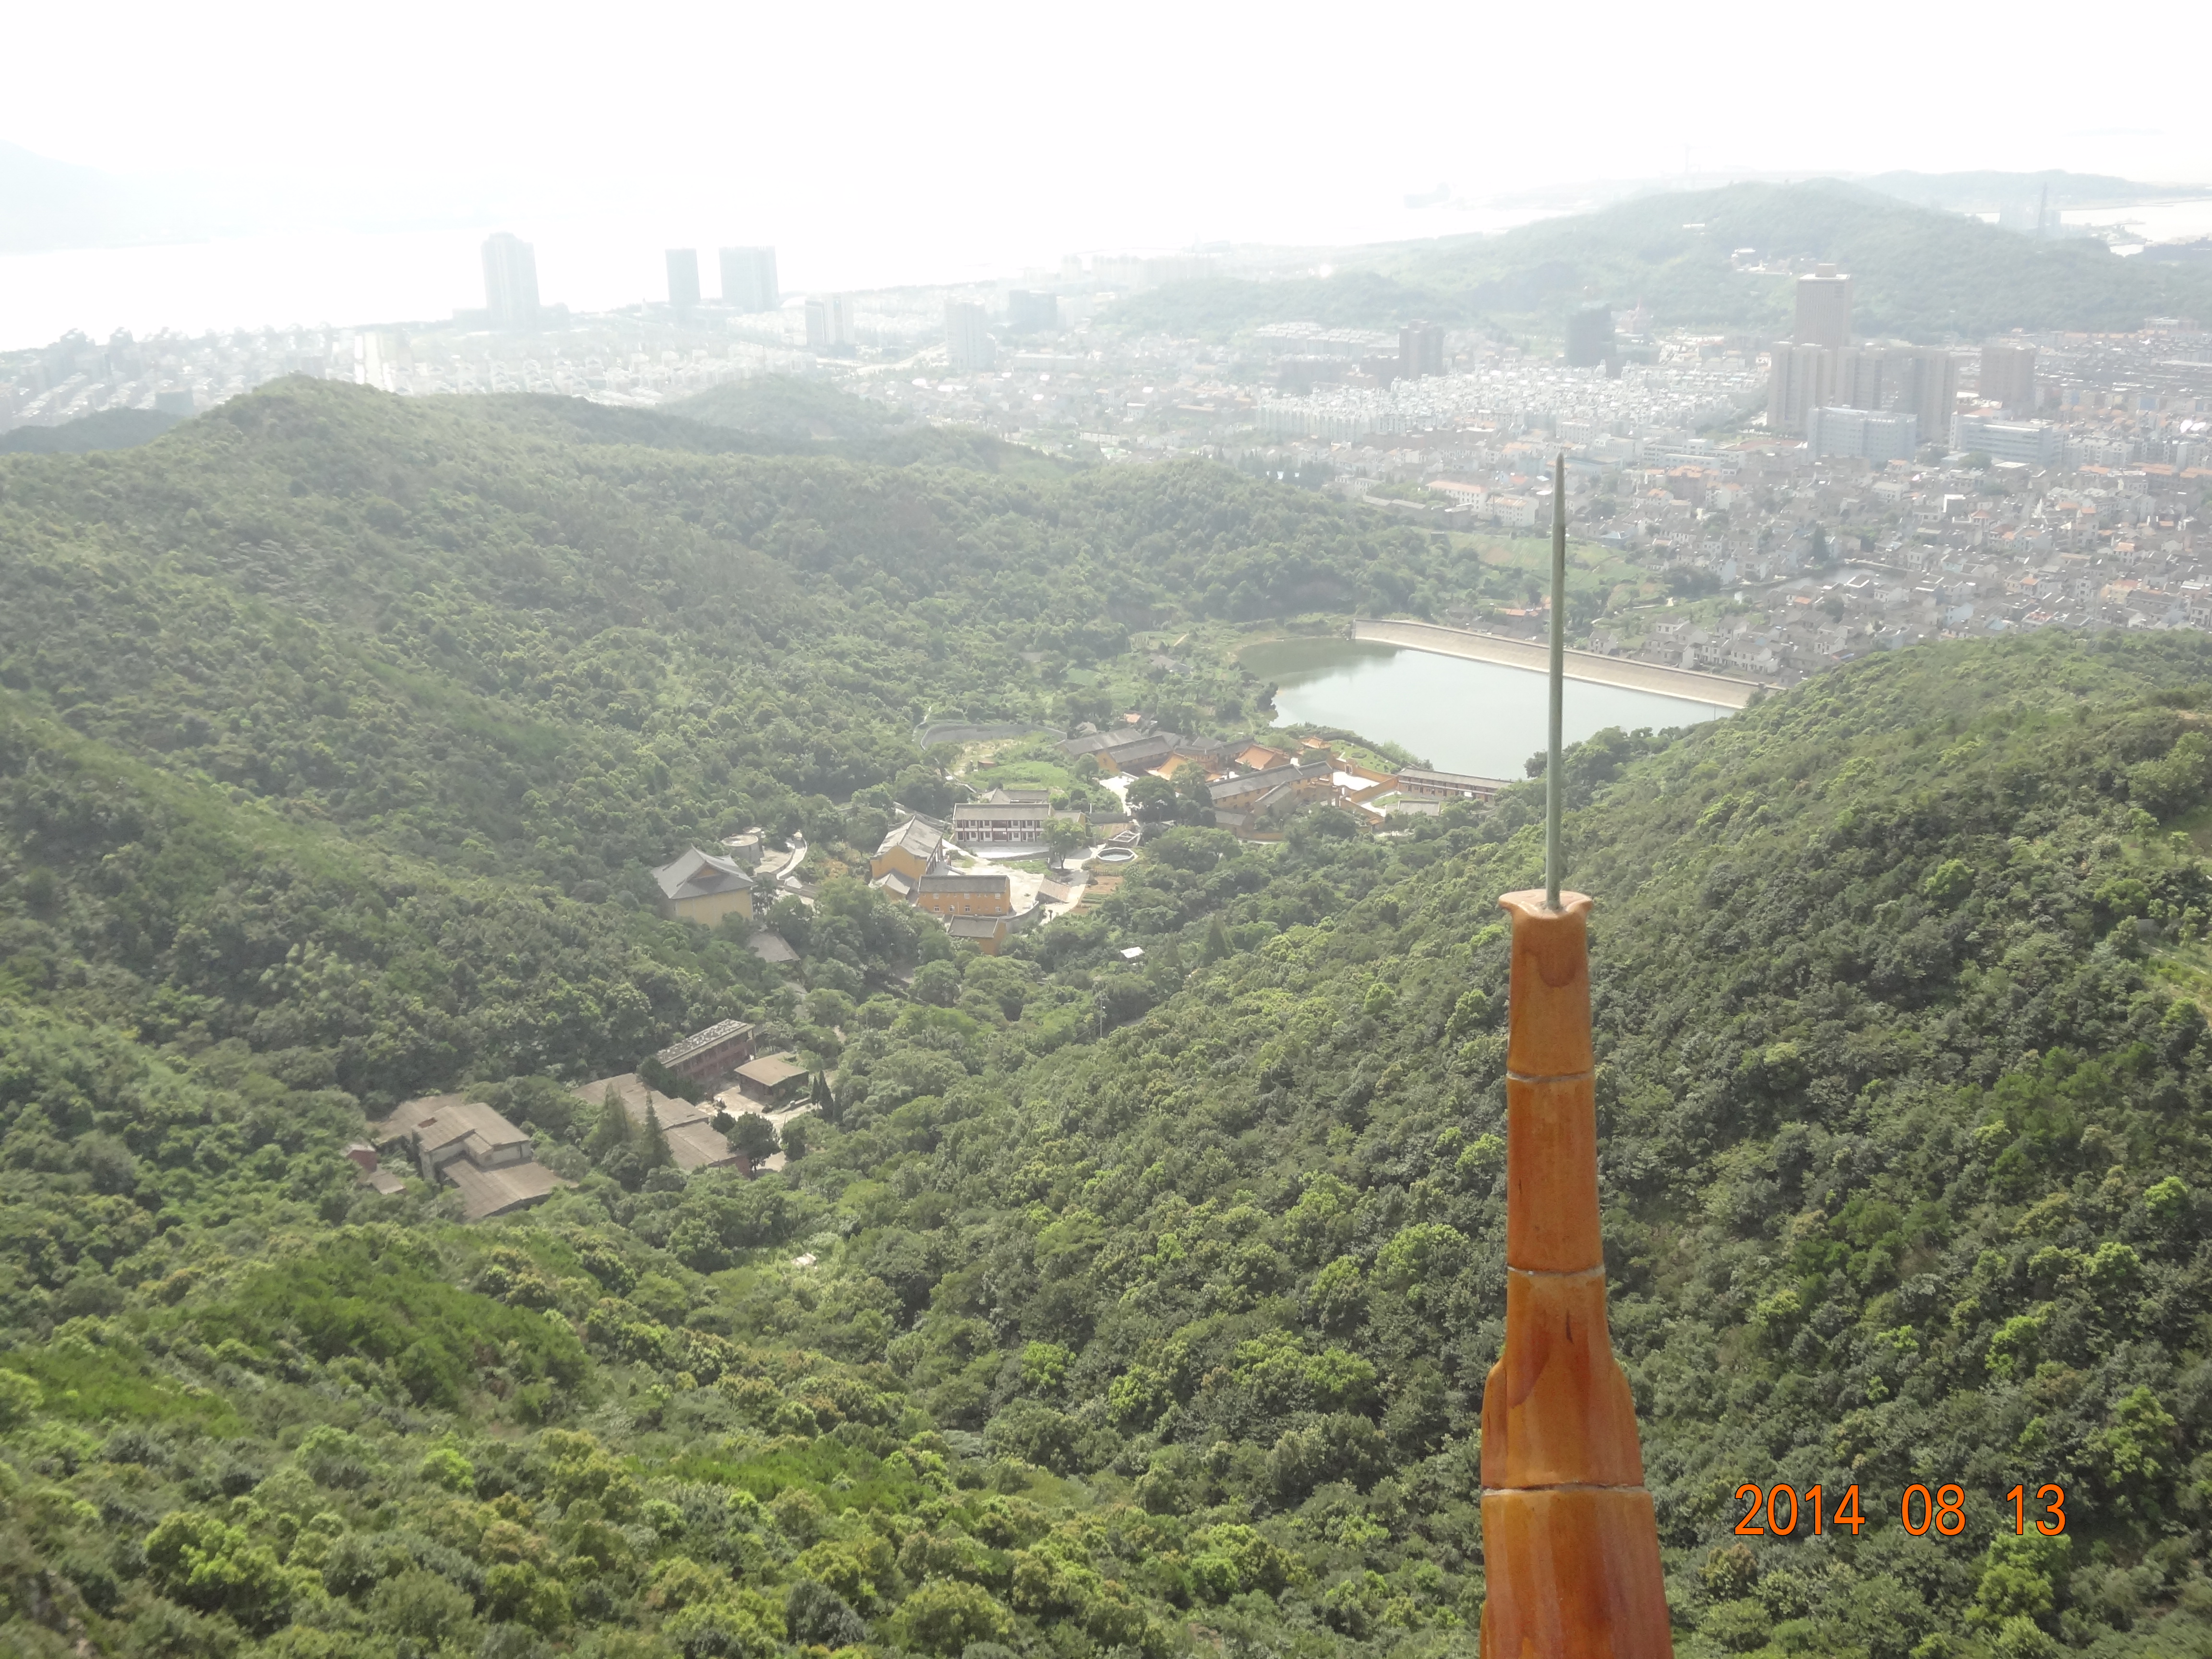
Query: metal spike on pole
x=1552, y=789
x=1570, y=1542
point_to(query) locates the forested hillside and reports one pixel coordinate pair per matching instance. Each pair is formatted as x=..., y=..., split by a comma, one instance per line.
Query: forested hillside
x=334, y=690
x=775, y=414
x=1920, y=274
x=110, y=428
x=1111, y=1307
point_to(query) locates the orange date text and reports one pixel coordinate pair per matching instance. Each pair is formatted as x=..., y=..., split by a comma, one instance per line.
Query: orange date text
x=1782, y=1511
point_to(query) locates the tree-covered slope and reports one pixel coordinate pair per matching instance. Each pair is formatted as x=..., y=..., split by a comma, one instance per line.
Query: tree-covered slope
x=110, y=428
x=779, y=405
x=1112, y=1307
x=1903, y=1156
x=322, y=706
x=777, y=414
x=1920, y=274
x=1903, y=1150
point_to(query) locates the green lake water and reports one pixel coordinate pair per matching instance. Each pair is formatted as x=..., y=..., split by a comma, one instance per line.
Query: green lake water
x=1460, y=716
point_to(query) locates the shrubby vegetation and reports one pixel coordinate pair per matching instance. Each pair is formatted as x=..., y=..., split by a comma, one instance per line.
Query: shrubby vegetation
x=1110, y=1307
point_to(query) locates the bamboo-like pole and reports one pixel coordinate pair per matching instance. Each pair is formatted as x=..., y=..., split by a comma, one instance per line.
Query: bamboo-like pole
x=1552, y=783
x=1570, y=1545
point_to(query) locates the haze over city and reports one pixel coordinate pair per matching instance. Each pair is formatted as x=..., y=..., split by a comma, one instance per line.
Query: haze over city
x=900, y=145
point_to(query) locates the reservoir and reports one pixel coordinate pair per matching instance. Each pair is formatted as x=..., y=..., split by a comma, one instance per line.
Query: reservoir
x=1460, y=715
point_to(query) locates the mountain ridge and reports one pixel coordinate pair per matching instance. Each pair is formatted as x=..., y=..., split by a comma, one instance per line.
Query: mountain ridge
x=1919, y=274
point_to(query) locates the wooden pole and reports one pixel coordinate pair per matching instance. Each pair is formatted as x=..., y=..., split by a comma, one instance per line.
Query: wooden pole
x=1570, y=1545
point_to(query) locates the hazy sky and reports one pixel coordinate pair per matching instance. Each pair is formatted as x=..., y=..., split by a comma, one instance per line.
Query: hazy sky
x=869, y=141
x=1132, y=122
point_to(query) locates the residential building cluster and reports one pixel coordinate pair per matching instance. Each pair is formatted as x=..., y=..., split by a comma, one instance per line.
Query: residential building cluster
x=493, y=1163
x=1824, y=557
x=959, y=871
x=641, y=360
x=1502, y=391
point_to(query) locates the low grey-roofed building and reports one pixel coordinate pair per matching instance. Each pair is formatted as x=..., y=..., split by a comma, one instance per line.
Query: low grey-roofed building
x=910, y=851
x=773, y=948
x=987, y=933
x=488, y=1192
x=1126, y=752
x=697, y=1144
x=694, y=1142
x=702, y=888
x=1092, y=742
x=772, y=1079
x=470, y=1145
x=458, y=1129
x=1304, y=778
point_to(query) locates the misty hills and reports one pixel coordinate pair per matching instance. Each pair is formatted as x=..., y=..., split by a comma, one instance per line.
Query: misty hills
x=1921, y=275
x=777, y=405
x=776, y=414
x=1984, y=190
x=768, y=415
x=110, y=428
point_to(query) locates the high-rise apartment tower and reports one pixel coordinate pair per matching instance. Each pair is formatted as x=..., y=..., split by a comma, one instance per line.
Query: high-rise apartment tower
x=1420, y=350
x=1589, y=336
x=682, y=278
x=968, y=344
x=1929, y=388
x=2009, y=377
x=749, y=279
x=1824, y=309
x=829, y=323
x=1029, y=311
x=1797, y=384
x=510, y=280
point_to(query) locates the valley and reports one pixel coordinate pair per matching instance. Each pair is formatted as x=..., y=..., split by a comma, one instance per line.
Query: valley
x=1133, y=1289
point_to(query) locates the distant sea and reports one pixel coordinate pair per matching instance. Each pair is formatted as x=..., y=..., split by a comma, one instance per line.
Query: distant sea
x=2181, y=220
x=351, y=279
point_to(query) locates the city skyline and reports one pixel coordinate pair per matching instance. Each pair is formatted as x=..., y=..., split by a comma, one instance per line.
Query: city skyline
x=432, y=173
x=339, y=279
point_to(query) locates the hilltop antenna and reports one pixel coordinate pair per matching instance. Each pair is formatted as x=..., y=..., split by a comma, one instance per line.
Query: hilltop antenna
x=1553, y=804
